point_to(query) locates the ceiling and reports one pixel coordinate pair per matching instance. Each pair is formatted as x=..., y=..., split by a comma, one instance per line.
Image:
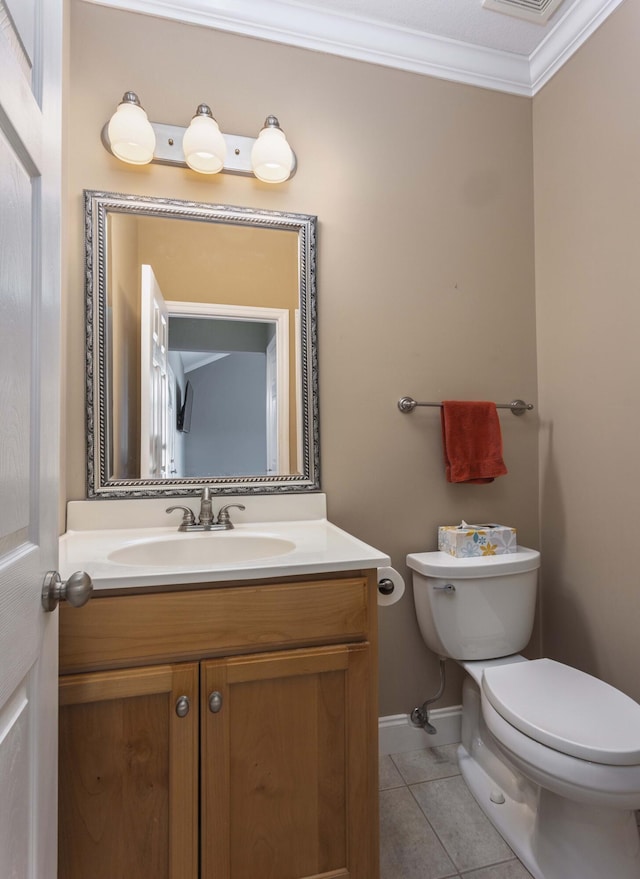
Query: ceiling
x=458, y=40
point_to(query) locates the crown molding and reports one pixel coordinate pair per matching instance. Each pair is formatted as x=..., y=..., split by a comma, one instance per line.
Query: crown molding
x=386, y=45
x=574, y=29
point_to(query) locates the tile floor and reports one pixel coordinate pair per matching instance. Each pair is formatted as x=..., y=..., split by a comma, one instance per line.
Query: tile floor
x=430, y=825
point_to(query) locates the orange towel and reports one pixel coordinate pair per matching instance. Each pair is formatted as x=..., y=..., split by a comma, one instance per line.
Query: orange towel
x=472, y=441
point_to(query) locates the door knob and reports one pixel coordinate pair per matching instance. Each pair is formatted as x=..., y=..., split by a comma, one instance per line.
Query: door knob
x=76, y=590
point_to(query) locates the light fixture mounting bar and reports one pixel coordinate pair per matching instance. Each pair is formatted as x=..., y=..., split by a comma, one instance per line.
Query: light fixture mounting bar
x=168, y=150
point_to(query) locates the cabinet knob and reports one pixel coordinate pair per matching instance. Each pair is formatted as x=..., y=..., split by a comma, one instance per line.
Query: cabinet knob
x=215, y=702
x=76, y=591
x=182, y=706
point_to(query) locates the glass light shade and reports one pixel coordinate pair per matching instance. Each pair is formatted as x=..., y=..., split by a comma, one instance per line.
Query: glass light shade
x=204, y=146
x=271, y=156
x=131, y=136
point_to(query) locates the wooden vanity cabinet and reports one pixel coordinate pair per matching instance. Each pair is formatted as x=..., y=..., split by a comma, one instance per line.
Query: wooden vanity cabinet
x=128, y=774
x=271, y=773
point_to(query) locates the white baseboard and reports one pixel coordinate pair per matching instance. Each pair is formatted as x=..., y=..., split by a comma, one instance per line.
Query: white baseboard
x=396, y=733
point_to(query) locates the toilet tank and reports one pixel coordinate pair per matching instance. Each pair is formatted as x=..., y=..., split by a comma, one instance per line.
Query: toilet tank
x=475, y=608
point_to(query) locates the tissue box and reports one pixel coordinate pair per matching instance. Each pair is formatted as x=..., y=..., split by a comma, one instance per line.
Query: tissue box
x=466, y=541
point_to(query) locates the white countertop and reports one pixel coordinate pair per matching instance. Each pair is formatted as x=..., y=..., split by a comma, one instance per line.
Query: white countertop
x=320, y=548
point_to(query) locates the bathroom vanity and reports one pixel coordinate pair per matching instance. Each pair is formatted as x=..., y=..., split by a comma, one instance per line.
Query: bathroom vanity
x=221, y=724
x=218, y=693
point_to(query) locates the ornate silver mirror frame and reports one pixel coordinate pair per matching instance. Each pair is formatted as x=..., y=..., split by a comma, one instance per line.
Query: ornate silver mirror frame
x=100, y=481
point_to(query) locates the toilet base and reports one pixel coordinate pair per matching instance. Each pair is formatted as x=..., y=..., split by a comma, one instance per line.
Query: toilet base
x=514, y=820
x=559, y=839
x=554, y=837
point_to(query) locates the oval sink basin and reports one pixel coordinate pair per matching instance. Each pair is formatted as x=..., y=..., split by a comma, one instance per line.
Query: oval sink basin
x=206, y=550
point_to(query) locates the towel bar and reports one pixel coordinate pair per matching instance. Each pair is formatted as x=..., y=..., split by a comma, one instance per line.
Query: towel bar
x=518, y=407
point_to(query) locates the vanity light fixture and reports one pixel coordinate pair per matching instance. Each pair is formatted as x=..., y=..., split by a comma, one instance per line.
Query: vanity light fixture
x=271, y=156
x=130, y=133
x=202, y=146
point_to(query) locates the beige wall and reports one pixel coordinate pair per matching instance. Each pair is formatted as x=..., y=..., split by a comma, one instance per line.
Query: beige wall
x=424, y=195
x=232, y=265
x=587, y=225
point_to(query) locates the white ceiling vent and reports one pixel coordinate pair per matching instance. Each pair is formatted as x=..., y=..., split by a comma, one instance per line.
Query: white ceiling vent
x=538, y=11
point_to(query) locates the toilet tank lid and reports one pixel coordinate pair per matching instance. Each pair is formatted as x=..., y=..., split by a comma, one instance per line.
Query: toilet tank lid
x=441, y=564
x=567, y=710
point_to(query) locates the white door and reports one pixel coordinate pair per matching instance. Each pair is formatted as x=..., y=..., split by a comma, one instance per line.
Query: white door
x=154, y=392
x=154, y=365
x=30, y=67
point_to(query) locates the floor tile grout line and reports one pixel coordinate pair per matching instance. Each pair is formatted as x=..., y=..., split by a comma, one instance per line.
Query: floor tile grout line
x=435, y=832
x=455, y=875
x=437, y=778
x=459, y=874
x=442, y=842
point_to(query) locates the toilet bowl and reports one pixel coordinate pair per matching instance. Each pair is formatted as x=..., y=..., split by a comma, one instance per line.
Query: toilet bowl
x=551, y=754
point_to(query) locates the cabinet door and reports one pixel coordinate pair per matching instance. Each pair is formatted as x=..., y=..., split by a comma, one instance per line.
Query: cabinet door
x=129, y=774
x=289, y=766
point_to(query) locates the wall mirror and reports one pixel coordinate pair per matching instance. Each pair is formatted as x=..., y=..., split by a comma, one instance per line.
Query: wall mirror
x=201, y=351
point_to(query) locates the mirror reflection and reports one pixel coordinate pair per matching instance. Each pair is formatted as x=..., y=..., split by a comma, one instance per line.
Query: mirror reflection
x=201, y=347
x=226, y=399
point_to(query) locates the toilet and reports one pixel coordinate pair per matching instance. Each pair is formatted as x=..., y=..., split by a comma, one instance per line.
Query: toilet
x=551, y=754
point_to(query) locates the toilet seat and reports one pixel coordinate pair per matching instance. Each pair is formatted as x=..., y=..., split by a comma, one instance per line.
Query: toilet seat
x=567, y=710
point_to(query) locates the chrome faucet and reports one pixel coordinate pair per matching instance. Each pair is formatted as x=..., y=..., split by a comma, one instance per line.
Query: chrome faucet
x=206, y=510
x=206, y=520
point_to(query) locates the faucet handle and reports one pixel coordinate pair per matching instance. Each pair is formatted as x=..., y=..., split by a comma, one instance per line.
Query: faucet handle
x=223, y=515
x=188, y=517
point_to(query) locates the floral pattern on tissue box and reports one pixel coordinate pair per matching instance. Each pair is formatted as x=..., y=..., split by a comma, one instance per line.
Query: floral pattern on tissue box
x=469, y=541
